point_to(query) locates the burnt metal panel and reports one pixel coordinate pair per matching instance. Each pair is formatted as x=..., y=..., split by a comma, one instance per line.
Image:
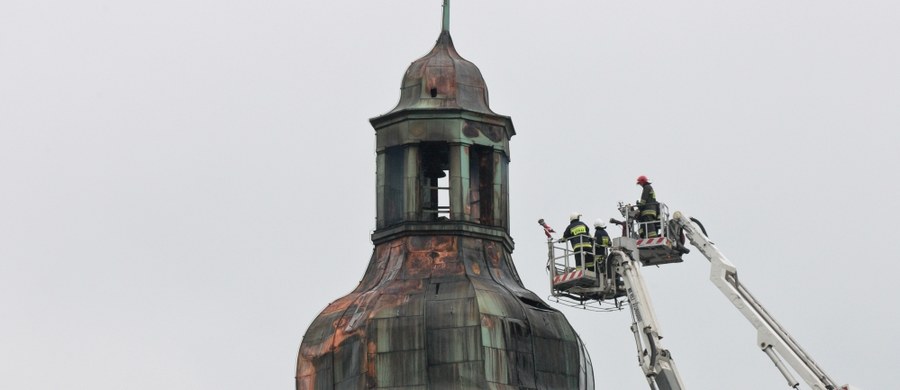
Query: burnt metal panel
x=318, y=375
x=349, y=359
x=423, y=387
x=472, y=255
x=554, y=381
x=384, y=257
x=541, y=325
x=524, y=373
x=452, y=331
x=451, y=313
x=445, y=266
x=513, y=336
x=495, y=255
x=353, y=383
x=401, y=368
x=497, y=365
x=432, y=244
x=494, y=303
x=467, y=375
x=501, y=386
x=439, y=290
x=398, y=334
x=321, y=330
x=494, y=331
x=399, y=305
x=548, y=325
x=454, y=345
x=555, y=355
x=585, y=369
x=418, y=265
x=403, y=287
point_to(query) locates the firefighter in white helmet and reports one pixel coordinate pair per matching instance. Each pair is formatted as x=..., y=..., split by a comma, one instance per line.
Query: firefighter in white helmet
x=579, y=236
x=601, y=243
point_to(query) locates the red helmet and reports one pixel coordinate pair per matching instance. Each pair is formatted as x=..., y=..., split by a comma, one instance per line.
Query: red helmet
x=642, y=179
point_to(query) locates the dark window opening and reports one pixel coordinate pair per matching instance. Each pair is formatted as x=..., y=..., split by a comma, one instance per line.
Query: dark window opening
x=481, y=185
x=394, y=198
x=435, y=160
x=434, y=92
x=534, y=304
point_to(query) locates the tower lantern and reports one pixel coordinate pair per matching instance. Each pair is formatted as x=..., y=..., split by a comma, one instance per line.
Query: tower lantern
x=441, y=305
x=442, y=154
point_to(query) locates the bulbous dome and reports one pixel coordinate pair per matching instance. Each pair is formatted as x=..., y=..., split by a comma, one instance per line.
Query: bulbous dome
x=442, y=312
x=443, y=79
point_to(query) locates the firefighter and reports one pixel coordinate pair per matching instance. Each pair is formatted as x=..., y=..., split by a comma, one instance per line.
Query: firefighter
x=601, y=245
x=648, y=209
x=602, y=242
x=579, y=236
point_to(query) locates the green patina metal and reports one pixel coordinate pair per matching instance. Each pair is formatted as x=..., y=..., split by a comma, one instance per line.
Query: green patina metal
x=441, y=305
x=445, y=26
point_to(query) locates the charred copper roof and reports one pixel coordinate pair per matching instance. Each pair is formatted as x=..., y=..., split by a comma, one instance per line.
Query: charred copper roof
x=443, y=79
x=441, y=305
x=442, y=312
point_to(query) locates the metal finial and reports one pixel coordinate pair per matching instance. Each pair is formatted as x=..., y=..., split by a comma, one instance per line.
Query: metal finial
x=445, y=26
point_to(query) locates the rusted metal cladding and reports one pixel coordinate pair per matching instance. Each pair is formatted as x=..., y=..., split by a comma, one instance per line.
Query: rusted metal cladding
x=441, y=312
x=442, y=126
x=441, y=305
x=443, y=79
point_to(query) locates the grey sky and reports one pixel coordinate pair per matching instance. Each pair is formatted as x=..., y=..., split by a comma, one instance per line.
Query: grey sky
x=184, y=185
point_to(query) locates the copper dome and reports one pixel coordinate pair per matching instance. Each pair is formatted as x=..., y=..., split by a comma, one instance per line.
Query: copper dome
x=442, y=79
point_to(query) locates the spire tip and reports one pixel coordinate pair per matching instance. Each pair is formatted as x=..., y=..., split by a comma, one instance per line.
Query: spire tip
x=445, y=25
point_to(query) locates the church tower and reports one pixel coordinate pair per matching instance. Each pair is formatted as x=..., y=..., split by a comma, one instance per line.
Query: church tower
x=441, y=305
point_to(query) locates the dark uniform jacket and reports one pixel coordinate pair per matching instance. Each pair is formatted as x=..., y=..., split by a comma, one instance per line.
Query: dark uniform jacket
x=601, y=238
x=581, y=233
x=648, y=204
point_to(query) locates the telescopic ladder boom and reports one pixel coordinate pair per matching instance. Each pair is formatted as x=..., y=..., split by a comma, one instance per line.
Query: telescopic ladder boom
x=619, y=275
x=655, y=361
x=772, y=338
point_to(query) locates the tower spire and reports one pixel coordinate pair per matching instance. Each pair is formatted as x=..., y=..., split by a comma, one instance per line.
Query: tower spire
x=445, y=25
x=441, y=217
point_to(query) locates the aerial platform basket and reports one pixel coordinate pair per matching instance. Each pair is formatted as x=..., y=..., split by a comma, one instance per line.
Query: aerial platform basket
x=578, y=285
x=658, y=251
x=575, y=278
x=657, y=241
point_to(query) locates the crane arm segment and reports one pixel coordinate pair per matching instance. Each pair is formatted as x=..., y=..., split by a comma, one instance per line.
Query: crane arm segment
x=772, y=338
x=655, y=361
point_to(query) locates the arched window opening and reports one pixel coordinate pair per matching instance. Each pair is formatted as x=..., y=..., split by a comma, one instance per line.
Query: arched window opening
x=435, y=160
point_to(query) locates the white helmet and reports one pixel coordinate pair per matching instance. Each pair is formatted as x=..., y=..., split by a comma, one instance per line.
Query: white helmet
x=575, y=215
x=600, y=224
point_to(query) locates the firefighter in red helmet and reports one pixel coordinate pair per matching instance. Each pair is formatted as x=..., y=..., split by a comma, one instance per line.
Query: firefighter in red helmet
x=648, y=209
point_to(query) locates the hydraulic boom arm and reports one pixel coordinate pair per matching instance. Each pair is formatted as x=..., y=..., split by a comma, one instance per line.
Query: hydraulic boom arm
x=656, y=362
x=772, y=338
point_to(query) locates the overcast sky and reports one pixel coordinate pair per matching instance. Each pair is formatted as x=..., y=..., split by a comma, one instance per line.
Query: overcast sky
x=185, y=184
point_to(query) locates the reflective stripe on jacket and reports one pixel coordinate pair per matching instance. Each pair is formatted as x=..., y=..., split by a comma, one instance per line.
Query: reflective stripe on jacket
x=578, y=234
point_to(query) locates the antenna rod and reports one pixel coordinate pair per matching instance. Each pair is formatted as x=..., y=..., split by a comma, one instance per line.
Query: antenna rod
x=445, y=26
